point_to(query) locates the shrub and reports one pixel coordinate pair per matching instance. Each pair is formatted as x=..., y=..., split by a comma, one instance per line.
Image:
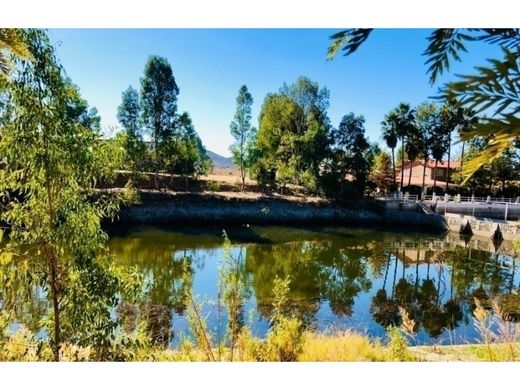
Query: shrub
x=398, y=345
x=213, y=186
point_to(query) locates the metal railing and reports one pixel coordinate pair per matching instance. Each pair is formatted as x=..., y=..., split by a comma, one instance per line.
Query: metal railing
x=470, y=199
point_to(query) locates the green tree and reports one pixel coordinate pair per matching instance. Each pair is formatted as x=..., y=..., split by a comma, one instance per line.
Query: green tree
x=293, y=135
x=243, y=148
x=129, y=115
x=159, y=107
x=494, y=87
x=188, y=153
x=56, y=241
x=381, y=173
x=350, y=151
x=427, y=120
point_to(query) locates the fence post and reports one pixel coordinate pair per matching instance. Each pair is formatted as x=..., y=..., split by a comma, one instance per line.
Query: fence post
x=505, y=214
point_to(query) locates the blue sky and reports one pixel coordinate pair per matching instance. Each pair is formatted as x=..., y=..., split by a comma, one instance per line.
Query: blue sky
x=210, y=65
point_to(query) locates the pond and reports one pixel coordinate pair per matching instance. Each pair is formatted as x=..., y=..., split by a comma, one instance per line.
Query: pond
x=339, y=279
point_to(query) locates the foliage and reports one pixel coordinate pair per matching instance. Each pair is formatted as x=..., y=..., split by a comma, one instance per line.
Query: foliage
x=233, y=291
x=284, y=340
x=493, y=87
x=55, y=240
x=12, y=42
x=398, y=345
x=293, y=135
x=159, y=106
x=244, y=147
x=128, y=114
x=381, y=173
x=350, y=158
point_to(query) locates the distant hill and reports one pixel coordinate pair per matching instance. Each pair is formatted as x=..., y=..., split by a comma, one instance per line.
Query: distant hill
x=220, y=161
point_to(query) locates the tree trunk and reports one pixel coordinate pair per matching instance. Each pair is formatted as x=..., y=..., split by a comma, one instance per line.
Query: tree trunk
x=395, y=273
x=402, y=162
x=393, y=167
x=462, y=155
x=55, y=308
x=448, y=170
x=410, y=175
x=243, y=182
x=423, y=179
x=435, y=176
x=156, y=165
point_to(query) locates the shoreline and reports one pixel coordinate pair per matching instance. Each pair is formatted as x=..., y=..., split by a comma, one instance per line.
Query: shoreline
x=202, y=208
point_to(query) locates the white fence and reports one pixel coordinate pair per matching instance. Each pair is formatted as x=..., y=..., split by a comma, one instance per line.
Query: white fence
x=470, y=199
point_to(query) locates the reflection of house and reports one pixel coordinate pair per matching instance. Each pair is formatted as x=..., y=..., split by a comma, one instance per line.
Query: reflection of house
x=418, y=170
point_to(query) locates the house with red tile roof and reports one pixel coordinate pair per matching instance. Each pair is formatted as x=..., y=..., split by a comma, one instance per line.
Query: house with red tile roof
x=430, y=172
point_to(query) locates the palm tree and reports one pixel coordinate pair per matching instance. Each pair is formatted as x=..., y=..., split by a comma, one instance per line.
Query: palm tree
x=11, y=42
x=401, y=119
x=389, y=135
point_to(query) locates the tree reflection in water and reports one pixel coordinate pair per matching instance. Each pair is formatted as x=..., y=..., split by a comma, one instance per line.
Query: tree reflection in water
x=358, y=278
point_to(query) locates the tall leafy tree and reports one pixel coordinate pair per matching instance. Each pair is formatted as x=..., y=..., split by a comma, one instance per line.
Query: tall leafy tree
x=46, y=189
x=440, y=140
x=494, y=87
x=159, y=106
x=189, y=155
x=427, y=121
x=293, y=135
x=129, y=115
x=243, y=133
x=350, y=150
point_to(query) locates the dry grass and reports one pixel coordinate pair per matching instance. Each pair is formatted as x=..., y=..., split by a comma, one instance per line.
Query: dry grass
x=346, y=347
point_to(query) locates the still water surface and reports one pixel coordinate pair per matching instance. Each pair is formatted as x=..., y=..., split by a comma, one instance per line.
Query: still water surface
x=340, y=278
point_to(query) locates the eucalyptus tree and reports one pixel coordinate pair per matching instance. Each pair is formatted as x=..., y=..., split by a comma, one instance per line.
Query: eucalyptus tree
x=494, y=88
x=159, y=106
x=12, y=42
x=294, y=134
x=189, y=155
x=46, y=189
x=129, y=115
x=243, y=133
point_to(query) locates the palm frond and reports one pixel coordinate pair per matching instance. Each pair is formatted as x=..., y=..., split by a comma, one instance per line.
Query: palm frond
x=347, y=41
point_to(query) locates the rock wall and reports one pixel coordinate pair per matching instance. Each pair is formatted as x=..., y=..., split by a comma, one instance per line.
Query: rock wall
x=485, y=227
x=201, y=209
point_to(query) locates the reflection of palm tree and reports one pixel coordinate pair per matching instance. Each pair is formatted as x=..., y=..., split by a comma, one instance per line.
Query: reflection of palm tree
x=384, y=311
